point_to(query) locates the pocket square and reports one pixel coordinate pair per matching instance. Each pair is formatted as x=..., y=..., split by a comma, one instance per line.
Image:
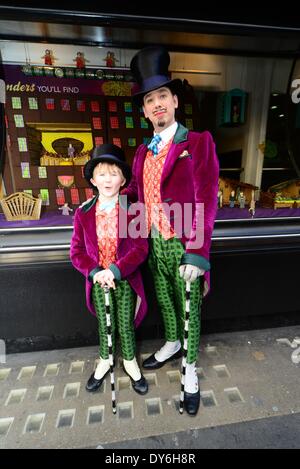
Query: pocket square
x=185, y=154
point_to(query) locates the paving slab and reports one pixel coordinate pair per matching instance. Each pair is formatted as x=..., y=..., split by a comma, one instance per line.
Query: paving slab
x=244, y=377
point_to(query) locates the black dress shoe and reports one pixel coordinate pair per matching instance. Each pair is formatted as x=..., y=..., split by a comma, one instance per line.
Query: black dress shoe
x=192, y=402
x=94, y=384
x=152, y=364
x=140, y=386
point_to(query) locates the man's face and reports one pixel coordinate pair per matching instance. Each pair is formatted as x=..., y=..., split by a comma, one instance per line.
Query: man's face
x=159, y=106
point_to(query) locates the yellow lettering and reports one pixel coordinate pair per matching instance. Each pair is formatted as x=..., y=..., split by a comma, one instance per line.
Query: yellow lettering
x=17, y=86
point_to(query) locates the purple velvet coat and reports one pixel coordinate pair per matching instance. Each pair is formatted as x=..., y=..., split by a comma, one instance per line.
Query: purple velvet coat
x=190, y=175
x=131, y=253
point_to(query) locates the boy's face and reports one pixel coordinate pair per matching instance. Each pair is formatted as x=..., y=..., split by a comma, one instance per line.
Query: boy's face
x=108, y=178
x=159, y=106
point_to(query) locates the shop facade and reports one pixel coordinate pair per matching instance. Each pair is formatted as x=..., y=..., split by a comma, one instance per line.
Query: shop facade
x=241, y=86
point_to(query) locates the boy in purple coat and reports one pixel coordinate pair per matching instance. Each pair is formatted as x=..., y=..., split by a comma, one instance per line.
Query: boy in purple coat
x=103, y=251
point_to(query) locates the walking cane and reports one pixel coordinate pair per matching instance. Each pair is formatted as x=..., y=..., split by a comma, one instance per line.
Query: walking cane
x=110, y=351
x=185, y=343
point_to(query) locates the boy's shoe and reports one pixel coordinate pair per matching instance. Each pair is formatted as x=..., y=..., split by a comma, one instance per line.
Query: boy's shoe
x=152, y=364
x=140, y=386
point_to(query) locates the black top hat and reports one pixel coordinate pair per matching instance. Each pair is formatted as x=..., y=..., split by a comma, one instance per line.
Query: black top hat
x=107, y=153
x=149, y=67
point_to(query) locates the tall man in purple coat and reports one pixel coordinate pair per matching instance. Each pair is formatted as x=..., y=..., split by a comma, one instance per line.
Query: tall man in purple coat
x=176, y=176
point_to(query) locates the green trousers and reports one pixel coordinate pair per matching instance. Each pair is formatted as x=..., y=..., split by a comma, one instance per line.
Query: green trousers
x=164, y=262
x=122, y=302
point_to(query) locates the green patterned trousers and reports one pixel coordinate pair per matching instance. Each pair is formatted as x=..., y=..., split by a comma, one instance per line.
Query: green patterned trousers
x=164, y=261
x=122, y=302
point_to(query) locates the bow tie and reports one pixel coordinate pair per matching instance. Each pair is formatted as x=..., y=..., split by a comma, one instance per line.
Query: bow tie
x=153, y=145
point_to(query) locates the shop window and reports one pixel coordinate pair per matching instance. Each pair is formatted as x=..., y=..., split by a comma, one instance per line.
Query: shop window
x=45, y=196
x=188, y=109
x=114, y=122
x=25, y=170
x=144, y=123
x=95, y=106
x=88, y=193
x=32, y=103
x=132, y=142
x=98, y=141
x=112, y=106
x=75, y=196
x=128, y=107
x=282, y=144
x=22, y=144
x=80, y=105
x=60, y=196
x=65, y=104
x=42, y=172
x=129, y=122
x=117, y=142
x=97, y=124
x=50, y=104
x=19, y=121
x=16, y=102
x=189, y=124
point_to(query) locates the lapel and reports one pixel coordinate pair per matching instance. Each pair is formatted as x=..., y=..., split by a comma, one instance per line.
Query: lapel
x=123, y=220
x=140, y=168
x=179, y=144
x=89, y=222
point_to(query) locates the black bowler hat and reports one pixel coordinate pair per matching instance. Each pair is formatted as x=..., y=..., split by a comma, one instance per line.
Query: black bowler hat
x=107, y=153
x=149, y=67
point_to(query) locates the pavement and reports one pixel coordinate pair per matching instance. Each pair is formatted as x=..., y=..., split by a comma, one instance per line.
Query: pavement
x=250, y=397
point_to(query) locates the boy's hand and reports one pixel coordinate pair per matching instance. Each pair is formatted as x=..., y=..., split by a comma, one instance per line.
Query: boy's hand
x=105, y=278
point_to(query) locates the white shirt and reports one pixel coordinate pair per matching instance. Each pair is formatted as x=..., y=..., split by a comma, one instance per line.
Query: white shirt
x=166, y=135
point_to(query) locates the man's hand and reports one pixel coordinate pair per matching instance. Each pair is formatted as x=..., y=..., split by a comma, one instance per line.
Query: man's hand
x=189, y=272
x=105, y=278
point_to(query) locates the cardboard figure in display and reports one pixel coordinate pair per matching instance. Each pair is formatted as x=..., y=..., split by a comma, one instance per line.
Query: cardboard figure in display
x=110, y=59
x=80, y=60
x=242, y=200
x=252, y=204
x=65, y=209
x=220, y=198
x=232, y=199
x=48, y=57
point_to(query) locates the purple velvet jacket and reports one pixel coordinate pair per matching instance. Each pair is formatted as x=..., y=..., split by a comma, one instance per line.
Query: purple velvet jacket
x=190, y=176
x=131, y=253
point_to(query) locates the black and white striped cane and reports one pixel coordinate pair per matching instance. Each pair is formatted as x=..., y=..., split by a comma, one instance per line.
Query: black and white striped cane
x=185, y=343
x=110, y=350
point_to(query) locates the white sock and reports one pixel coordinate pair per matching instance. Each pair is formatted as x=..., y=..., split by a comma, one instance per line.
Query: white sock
x=132, y=369
x=102, y=368
x=167, y=350
x=191, y=378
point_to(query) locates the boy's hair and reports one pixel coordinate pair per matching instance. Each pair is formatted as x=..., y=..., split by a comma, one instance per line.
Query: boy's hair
x=109, y=166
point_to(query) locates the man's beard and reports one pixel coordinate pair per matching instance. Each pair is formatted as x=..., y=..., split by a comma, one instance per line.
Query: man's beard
x=161, y=123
